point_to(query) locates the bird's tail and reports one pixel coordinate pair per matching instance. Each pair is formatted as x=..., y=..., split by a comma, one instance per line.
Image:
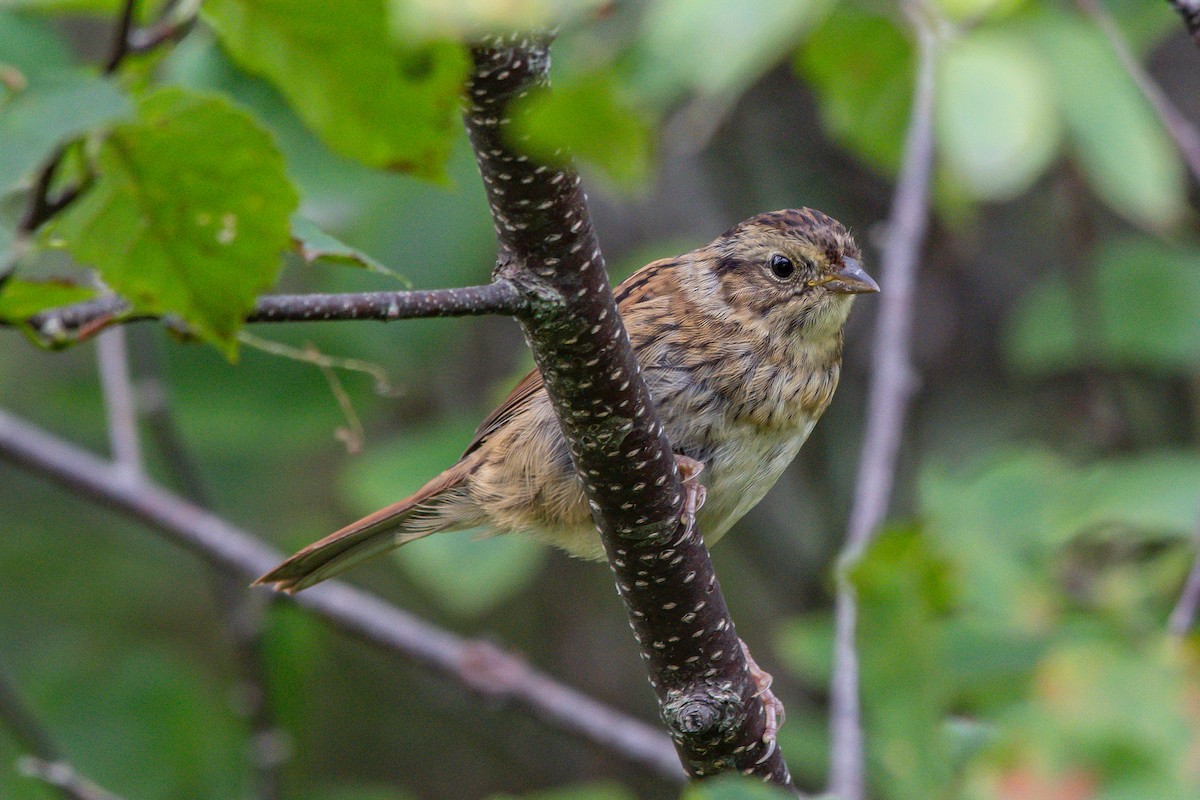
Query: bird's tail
x=440, y=505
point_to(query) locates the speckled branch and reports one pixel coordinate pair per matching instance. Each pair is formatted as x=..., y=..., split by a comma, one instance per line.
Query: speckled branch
x=663, y=572
x=478, y=665
x=1190, y=11
x=500, y=297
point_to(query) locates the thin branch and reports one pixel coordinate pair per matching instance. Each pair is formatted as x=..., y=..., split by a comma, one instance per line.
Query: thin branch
x=1185, y=135
x=120, y=405
x=892, y=385
x=550, y=251
x=59, y=325
x=480, y=666
x=44, y=760
x=120, y=43
x=1190, y=11
x=242, y=613
x=63, y=778
x=1183, y=616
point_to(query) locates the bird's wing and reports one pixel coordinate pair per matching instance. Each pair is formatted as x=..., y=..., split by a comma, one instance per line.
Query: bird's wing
x=630, y=291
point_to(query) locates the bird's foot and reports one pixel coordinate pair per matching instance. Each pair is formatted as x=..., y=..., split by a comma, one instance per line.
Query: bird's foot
x=694, y=492
x=772, y=706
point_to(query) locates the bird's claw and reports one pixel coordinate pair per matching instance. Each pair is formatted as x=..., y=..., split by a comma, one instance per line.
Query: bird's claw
x=694, y=492
x=772, y=706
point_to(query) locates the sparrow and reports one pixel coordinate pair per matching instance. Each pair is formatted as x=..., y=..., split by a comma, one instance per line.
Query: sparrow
x=740, y=343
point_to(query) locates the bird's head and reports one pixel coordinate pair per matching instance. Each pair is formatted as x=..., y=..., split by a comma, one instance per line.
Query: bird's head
x=797, y=270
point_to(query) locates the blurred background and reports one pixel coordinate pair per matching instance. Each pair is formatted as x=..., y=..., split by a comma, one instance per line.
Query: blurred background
x=1013, y=637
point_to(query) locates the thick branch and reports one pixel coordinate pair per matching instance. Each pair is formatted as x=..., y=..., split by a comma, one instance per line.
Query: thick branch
x=480, y=666
x=500, y=297
x=664, y=575
x=892, y=385
x=1190, y=11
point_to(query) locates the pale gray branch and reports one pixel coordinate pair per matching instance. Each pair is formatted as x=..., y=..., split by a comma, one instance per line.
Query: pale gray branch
x=891, y=387
x=478, y=665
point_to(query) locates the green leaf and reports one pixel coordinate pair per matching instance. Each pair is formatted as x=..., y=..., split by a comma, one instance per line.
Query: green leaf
x=1121, y=715
x=733, y=787
x=31, y=46
x=1006, y=524
x=366, y=97
x=315, y=244
x=588, y=791
x=585, y=117
x=903, y=592
x=21, y=299
x=1041, y=335
x=718, y=48
x=50, y=110
x=861, y=67
x=1126, y=155
x=1144, y=301
x=466, y=574
x=189, y=214
x=1148, y=294
x=997, y=125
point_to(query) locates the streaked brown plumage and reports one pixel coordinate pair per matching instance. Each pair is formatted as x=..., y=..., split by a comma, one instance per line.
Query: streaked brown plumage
x=740, y=343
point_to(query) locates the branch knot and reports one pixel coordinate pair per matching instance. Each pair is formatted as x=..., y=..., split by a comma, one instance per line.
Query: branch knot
x=705, y=713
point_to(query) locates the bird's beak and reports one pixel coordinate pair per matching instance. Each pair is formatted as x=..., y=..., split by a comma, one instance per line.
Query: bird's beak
x=851, y=279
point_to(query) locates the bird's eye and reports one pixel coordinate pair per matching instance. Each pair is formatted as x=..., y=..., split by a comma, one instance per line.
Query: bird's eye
x=782, y=267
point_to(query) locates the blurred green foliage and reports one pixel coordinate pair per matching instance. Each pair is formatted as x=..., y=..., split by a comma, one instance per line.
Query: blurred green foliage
x=1011, y=632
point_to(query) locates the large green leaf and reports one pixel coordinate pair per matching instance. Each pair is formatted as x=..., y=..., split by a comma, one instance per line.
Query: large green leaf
x=861, y=66
x=366, y=97
x=718, y=48
x=31, y=46
x=49, y=111
x=189, y=214
x=20, y=299
x=1116, y=137
x=997, y=125
x=466, y=574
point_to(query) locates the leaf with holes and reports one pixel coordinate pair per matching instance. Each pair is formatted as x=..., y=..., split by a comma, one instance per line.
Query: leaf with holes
x=189, y=214
x=387, y=105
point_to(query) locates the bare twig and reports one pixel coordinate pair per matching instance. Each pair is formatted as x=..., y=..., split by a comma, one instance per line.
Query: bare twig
x=1190, y=11
x=63, y=778
x=1184, y=134
x=478, y=665
x=61, y=324
x=120, y=43
x=120, y=404
x=892, y=385
x=44, y=759
x=696, y=663
x=243, y=613
x=1183, y=616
